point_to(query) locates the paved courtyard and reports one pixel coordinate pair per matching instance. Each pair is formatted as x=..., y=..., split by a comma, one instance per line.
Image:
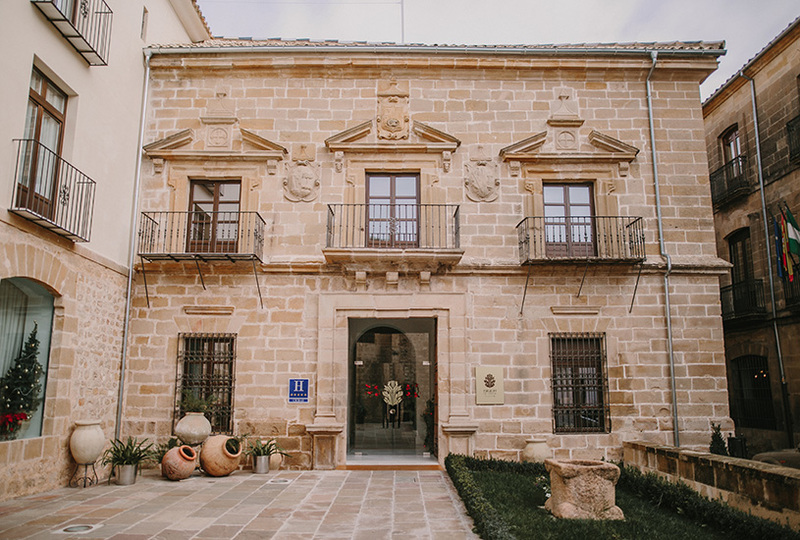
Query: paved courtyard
x=372, y=505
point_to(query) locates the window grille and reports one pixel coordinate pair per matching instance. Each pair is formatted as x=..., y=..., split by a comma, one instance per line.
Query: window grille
x=580, y=383
x=751, y=403
x=205, y=371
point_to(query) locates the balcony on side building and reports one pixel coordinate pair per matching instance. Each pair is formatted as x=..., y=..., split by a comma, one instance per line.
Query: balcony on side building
x=85, y=24
x=205, y=236
x=596, y=239
x=743, y=301
x=51, y=192
x=425, y=235
x=793, y=136
x=791, y=293
x=730, y=181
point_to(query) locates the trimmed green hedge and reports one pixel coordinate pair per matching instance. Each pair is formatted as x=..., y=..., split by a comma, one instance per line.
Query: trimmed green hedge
x=677, y=498
x=681, y=499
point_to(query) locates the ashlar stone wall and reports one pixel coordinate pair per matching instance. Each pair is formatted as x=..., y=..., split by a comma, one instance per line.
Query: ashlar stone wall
x=274, y=113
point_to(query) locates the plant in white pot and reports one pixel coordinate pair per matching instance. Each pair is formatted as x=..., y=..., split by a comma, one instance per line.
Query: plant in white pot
x=125, y=457
x=262, y=453
x=194, y=428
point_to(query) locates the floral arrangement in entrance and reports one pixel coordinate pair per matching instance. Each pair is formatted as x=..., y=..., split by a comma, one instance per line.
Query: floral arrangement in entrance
x=20, y=389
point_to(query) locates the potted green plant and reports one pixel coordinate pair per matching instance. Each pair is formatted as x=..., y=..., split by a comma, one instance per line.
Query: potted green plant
x=125, y=457
x=194, y=427
x=262, y=452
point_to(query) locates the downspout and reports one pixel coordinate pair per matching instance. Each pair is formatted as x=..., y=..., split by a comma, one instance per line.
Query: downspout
x=664, y=254
x=784, y=389
x=132, y=245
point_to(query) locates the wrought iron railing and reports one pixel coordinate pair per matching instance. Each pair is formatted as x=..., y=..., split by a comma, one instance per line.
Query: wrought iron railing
x=85, y=24
x=791, y=292
x=205, y=235
x=597, y=238
x=51, y=192
x=742, y=300
x=393, y=226
x=793, y=135
x=730, y=181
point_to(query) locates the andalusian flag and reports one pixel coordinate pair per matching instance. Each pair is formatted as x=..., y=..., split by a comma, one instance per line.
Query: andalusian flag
x=792, y=233
x=787, y=256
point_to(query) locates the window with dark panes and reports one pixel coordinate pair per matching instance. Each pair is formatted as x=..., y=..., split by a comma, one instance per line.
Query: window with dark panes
x=580, y=384
x=392, y=210
x=731, y=151
x=214, y=216
x=568, y=211
x=751, y=403
x=38, y=173
x=206, y=372
x=740, y=256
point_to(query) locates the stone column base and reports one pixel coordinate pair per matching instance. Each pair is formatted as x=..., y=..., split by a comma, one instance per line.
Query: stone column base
x=459, y=437
x=324, y=437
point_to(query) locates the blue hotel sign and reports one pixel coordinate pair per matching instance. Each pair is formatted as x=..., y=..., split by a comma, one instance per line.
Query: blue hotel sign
x=298, y=390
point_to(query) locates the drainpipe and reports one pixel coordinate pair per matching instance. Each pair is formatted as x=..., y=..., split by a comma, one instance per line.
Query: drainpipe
x=787, y=412
x=132, y=245
x=664, y=254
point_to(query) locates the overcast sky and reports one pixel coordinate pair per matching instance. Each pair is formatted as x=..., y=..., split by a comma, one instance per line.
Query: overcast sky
x=745, y=25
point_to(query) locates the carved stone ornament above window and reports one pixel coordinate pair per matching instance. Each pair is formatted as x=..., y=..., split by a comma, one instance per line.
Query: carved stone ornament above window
x=364, y=139
x=595, y=147
x=392, y=120
x=183, y=146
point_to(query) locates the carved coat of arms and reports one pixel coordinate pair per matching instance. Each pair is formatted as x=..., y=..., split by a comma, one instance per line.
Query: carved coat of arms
x=302, y=182
x=482, y=183
x=392, y=110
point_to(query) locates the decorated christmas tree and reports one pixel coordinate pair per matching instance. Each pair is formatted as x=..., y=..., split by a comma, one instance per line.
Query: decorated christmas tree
x=20, y=387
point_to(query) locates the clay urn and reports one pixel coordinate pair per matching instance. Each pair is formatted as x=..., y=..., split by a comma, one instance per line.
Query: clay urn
x=219, y=455
x=193, y=429
x=87, y=441
x=179, y=462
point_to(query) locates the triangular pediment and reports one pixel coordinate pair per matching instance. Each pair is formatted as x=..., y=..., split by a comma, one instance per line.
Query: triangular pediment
x=184, y=145
x=364, y=138
x=172, y=142
x=594, y=147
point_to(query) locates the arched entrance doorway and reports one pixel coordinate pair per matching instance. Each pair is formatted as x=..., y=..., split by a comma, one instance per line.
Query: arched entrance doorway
x=392, y=404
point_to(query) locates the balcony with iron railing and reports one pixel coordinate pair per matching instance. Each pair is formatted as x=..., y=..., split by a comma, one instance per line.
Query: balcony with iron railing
x=85, y=24
x=51, y=192
x=597, y=239
x=743, y=300
x=206, y=236
x=730, y=181
x=791, y=293
x=401, y=233
x=793, y=136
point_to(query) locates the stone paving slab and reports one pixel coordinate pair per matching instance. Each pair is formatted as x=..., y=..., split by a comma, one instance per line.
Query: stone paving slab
x=283, y=505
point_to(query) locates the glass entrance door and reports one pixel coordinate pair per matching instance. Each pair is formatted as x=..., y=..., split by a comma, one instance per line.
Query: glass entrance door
x=392, y=391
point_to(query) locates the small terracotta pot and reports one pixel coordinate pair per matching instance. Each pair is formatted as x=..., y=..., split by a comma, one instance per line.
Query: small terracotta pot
x=179, y=462
x=216, y=459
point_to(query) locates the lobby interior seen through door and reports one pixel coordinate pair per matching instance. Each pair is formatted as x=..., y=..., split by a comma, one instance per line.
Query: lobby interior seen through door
x=392, y=405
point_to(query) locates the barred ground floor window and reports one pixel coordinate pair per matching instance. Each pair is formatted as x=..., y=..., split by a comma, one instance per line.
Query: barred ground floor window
x=580, y=383
x=205, y=374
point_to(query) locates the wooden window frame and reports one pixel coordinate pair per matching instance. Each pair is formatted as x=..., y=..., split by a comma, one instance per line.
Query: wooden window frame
x=401, y=213
x=202, y=228
x=569, y=226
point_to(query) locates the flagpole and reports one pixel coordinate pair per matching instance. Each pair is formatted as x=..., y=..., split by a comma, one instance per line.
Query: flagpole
x=787, y=411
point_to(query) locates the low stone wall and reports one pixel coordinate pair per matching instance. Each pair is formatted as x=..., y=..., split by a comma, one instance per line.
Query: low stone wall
x=765, y=490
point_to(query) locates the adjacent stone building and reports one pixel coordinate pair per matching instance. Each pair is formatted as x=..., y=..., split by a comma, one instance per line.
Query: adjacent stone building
x=72, y=96
x=386, y=253
x=752, y=126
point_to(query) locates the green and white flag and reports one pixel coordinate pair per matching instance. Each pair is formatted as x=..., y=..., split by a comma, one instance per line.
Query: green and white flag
x=792, y=233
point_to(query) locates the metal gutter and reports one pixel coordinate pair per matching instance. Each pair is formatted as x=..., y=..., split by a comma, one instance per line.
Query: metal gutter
x=784, y=388
x=428, y=49
x=663, y=250
x=132, y=246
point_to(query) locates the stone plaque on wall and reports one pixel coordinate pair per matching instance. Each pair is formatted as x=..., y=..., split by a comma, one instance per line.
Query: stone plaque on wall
x=489, y=385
